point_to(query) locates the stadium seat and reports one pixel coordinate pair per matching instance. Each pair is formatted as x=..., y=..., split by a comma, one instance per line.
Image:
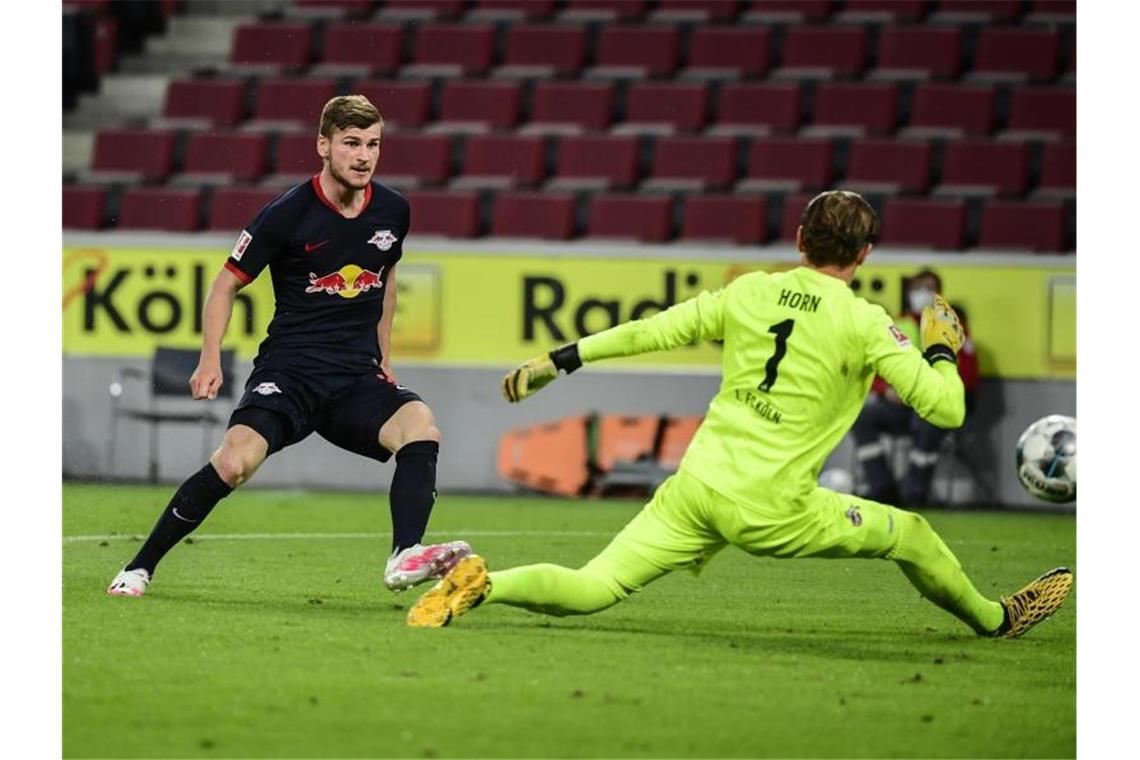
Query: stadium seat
x=692, y=164
x=511, y=10
x=296, y=159
x=636, y=52
x=624, y=438
x=786, y=11
x=233, y=208
x=647, y=219
x=791, y=213
x=1015, y=54
x=852, y=109
x=1043, y=113
x=973, y=167
x=220, y=159
x=738, y=219
x=918, y=52
x=132, y=155
x=160, y=208
x=675, y=440
x=603, y=10
x=888, y=166
x=596, y=162
x=1058, y=171
x=403, y=104
x=570, y=108
x=546, y=216
x=664, y=108
x=690, y=11
x=361, y=49
x=757, y=109
x=951, y=111
x=412, y=160
x=788, y=164
x=542, y=51
x=1052, y=12
x=421, y=10
x=880, y=11
x=728, y=52
x=204, y=103
x=937, y=224
x=449, y=214
x=83, y=207
x=550, y=457
x=1026, y=226
x=290, y=104
x=823, y=52
x=502, y=162
x=329, y=9
x=476, y=107
x=452, y=50
x=975, y=11
x=272, y=47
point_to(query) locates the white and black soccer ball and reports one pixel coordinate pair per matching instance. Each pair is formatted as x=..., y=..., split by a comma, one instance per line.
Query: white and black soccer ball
x=1047, y=458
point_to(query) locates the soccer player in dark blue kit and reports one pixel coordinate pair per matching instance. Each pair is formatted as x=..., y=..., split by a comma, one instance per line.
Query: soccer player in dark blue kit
x=332, y=245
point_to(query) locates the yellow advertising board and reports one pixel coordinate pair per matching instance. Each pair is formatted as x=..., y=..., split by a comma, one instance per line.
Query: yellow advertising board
x=476, y=308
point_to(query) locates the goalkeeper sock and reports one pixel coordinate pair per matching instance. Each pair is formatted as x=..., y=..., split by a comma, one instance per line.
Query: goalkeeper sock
x=412, y=494
x=552, y=590
x=190, y=505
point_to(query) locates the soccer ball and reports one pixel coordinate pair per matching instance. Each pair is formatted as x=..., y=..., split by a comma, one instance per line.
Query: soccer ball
x=1047, y=458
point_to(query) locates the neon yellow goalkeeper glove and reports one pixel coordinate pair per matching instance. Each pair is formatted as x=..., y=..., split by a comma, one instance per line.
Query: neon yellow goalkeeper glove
x=941, y=330
x=530, y=377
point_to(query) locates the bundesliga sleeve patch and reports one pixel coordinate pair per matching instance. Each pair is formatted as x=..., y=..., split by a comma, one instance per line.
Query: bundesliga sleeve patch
x=899, y=336
x=239, y=247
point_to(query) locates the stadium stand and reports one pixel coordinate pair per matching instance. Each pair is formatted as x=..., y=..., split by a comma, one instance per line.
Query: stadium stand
x=501, y=162
x=1023, y=226
x=918, y=222
x=647, y=219
x=739, y=219
x=692, y=164
x=549, y=216
x=83, y=207
x=232, y=208
x=757, y=109
x=450, y=214
x=161, y=209
x=596, y=163
x=783, y=164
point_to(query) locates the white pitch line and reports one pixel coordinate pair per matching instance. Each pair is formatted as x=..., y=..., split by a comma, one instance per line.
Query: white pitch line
x=317, y=536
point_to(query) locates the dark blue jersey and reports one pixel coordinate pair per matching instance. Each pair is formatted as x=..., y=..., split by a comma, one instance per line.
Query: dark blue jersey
x=329, y=272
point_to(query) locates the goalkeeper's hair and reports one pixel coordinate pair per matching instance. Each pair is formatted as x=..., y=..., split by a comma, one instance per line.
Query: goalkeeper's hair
x=346, y=111
x=836, y=226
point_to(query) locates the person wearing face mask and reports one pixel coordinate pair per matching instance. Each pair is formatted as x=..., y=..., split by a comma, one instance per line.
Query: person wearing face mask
x=885, y=414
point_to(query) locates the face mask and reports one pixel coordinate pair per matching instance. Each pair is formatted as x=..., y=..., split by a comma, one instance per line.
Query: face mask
x=919, y=299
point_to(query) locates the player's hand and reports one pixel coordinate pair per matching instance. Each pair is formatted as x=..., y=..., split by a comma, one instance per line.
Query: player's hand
x=529, y=378
x=207, y=379
x=940, y=326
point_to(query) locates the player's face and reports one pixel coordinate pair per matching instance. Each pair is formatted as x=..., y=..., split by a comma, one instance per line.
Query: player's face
x=352, y=155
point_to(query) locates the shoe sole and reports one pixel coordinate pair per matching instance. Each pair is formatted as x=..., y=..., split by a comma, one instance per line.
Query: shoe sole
x=455, y=594
x=1052, y=590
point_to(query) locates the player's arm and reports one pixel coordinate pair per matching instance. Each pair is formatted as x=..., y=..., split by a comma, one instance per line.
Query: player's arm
x=384, y=328
x=699, y=318
x=207, y=377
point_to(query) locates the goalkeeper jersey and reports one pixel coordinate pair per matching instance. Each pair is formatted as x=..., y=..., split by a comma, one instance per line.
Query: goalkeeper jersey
x=800, y=353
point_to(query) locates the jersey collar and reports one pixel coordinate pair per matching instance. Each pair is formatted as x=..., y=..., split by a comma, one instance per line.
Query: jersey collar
x=324, y=199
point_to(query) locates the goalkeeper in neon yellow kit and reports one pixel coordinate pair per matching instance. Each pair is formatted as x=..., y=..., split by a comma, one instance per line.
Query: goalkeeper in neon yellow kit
x=800, y=352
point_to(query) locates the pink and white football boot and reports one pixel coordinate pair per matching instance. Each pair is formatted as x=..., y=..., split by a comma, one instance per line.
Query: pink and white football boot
x=129, y=583
x=417, y=564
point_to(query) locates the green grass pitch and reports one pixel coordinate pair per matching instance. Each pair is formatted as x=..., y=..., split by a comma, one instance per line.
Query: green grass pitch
x=276, y=639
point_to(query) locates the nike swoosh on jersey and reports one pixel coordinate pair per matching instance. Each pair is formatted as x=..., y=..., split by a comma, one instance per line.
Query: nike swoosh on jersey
x=310, y=247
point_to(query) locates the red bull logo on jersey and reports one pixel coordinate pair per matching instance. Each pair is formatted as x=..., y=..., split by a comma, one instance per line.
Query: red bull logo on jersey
x=383, y=239
x=347, y=282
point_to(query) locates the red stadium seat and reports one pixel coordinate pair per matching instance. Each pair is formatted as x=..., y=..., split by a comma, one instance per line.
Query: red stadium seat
x=879, y=11
x=1059, y=170
x=636, y=52
x=924, y=223
x=402, y=104
x=757, y=109
x=788, y=164
x=728, y=52
x=213, y=158
x=677, y=11
x=791, y=213
x=972, y=167
x=533, y=215
x=787, y=11
x=596, y=162
x=131, y=154
x=502, y=162
x=664, y=108
x=330, y=8
x=233, y=208
x=976, y=11
x=296, y=159
x=1015, y=54
x=692, y=164
x=853, y=109
x=918, y=52
x=449, y=214
x=1025, y=226
x=511, y=10
x=947, y=110
x=362, y=49
x=411, y=160
x=604, y=10
x=1042, y=112
x=290, y=104
x=452, y=50
x=83, y=207
x=542, y=51
x=570, y=107
x=647, y=219
x=160, y=208
x=473, y=107
x=733, y=218
x=1052, y=12
x=272, y=46
x=204, y=102
x=821, y=52
x=888, y=166
x=421, y=10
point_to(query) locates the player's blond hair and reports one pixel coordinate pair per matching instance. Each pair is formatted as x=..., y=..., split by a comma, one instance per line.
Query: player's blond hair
x=346, y=111
x=836, y=226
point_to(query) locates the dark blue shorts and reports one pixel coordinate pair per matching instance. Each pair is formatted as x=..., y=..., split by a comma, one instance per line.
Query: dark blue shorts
x=346, y=409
